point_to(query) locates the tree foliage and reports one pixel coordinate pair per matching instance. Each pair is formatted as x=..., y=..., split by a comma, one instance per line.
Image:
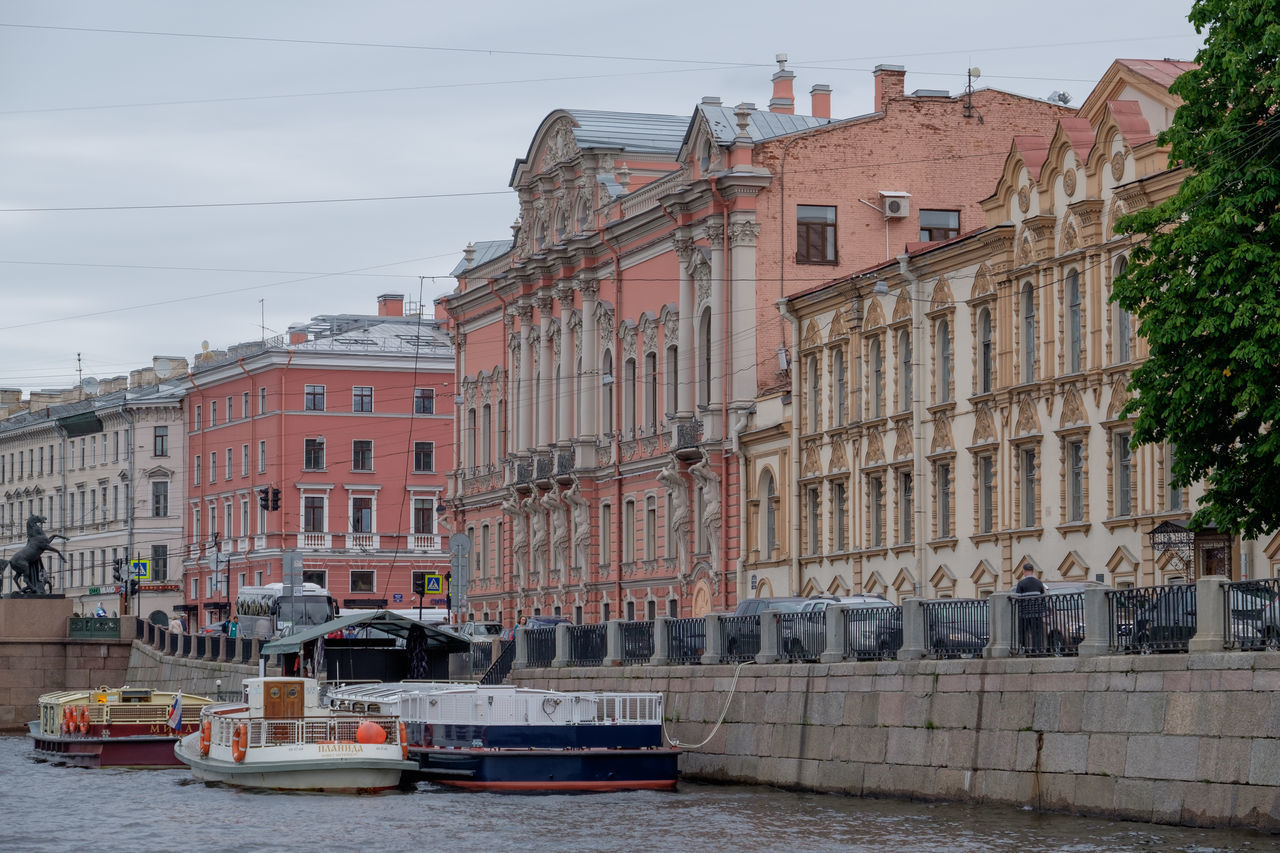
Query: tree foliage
x=1204, y=282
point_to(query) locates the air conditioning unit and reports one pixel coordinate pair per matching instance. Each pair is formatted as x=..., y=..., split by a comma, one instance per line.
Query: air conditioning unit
x=895, y=205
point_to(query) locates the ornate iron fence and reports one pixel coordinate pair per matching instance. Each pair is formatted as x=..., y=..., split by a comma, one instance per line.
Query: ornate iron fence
x=803, y=635
x=686, y=639
x=587, y=644
x=1252, y=611
x=540, y=645
x=1152, y=618
x=637, y=642
x=955, y=627
x=1050, y=624
x=873, y=632
x=740, y=637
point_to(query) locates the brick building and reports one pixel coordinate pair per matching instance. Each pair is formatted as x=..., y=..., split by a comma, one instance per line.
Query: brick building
x=350, y=418
x=613, y=353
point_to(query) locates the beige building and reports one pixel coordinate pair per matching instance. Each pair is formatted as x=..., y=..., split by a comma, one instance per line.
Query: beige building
x=102, y=465
x=955, y=413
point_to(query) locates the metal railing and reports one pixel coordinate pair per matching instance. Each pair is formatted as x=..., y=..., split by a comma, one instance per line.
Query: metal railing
x=955, y=627
x=586, y=644
x=802, y=636
x=540, y=645
x=1151, y=618
x=501, y=667
x=740, y=637
x=873, y=633
x=686, y=639
x=637, y=642
x=93, y=627
x=481, y=658
x=1252, y=611
x=1050, y=624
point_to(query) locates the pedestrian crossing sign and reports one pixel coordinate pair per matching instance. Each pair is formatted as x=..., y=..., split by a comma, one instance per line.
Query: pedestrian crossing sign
x=140, y=569
x=435, y=584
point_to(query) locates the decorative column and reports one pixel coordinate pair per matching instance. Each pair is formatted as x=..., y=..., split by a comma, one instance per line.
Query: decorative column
x=740, y=308
x=718, y=300
x=589, y=392
x=546, y=384
x=564, y=423
x=685, y=373
x=523, y=402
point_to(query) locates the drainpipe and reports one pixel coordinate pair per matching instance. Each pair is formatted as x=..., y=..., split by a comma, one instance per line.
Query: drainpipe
x=726, y=330
x=793, y=523
x=615, y=419
x=132, y=486
x=917, y=416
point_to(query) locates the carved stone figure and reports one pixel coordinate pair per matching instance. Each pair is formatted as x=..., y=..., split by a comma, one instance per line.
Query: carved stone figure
x=27, y=562
x=709, y=482
x=581, y=508
x=557, y=515
x=519, y=531
x=537, y=533
x=679, y=490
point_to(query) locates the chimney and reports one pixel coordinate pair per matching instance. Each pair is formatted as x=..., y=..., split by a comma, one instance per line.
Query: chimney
x=891, y=82
x=784, y=96
x=711, y=101
x=391, y=305
x=820, y=95
x=297, y=335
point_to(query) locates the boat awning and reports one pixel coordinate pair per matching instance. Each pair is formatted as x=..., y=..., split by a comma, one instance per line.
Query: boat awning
x=394, y=624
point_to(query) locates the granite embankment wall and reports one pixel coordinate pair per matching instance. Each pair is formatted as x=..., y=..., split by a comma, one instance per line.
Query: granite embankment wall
x=1181, y=739
x=32, y=667
x=148, y=667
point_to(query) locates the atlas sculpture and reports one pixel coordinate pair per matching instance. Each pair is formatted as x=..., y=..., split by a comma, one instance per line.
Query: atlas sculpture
x=28, y=561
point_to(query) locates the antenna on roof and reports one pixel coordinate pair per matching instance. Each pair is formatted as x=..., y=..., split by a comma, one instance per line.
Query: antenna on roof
x=969, y=112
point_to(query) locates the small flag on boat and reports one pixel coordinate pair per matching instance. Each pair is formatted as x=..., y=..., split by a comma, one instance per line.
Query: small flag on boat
x=175, y=712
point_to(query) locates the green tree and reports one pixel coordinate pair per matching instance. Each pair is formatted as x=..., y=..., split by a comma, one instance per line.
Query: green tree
x=1204, y=282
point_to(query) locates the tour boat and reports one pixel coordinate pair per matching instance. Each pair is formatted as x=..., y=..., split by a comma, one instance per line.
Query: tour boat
x=114, y=727
x=282, y=738
x=507, y=738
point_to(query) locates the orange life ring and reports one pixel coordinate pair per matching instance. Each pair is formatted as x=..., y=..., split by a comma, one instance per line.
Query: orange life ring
x=240, y=742
x=206, y=736
x=404, y=741
x=82, y=719
x=67, y=720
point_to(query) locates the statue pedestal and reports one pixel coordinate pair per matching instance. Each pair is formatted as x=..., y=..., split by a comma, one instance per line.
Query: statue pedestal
x=35, y=617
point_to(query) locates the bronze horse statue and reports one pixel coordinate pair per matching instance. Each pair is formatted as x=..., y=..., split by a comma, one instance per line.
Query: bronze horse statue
x=27, y=562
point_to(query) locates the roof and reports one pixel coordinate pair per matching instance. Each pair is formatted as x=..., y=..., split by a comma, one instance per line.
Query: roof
x=394, y=624
x=640, y=133
x=1161, y=71
x=486, y=250
x=761, y=124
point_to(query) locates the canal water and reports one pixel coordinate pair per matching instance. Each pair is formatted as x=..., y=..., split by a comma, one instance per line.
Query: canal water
x=54, y=808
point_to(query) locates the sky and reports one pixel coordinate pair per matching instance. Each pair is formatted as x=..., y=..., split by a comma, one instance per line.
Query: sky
x=173, y=173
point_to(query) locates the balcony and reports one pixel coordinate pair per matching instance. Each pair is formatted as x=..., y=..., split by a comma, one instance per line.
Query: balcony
x=424, y=542
x=315, y=541
x=363, y=541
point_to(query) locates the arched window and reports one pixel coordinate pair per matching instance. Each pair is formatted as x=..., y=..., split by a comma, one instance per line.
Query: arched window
x=904, y=371
x=984, y=352
x=814, y=392
x=944, y=361
x=1028, y=333
x=606, y=392
x=1075, y=360
x=471, y=438
x=651, y=391
x=673, y=378
x=1121, y=323
x=876, y=359
x=704, y=358
x=486, y=434
x=629, y=395
x=841, y=387
x=768, y=515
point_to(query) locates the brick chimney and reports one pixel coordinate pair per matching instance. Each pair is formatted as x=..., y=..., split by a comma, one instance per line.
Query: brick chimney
x=784, y=96
x=297, y=335
x=820, y=95
x=391, y=305
x=891, y=82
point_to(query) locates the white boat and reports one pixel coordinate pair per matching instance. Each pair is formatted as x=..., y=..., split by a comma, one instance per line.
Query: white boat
x=282, y=738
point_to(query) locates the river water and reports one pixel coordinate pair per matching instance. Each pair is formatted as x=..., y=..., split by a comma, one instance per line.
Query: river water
x=55, y=808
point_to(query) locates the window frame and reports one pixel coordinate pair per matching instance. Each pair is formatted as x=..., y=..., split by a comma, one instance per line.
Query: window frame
x=362, y=399
x=362, y=450
x=313, y=398
x=825, y=248
x=935, y=233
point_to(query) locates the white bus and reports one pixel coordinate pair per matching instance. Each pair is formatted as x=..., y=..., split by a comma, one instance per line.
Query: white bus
x=265, y=613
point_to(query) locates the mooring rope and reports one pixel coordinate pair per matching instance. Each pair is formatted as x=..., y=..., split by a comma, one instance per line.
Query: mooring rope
x=732, y=687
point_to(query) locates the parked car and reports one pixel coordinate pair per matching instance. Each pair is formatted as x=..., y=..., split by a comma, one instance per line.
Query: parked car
x=876, y=629
x=953, y=639
x=742, y=639
x=481, y=630
x=1063, y=618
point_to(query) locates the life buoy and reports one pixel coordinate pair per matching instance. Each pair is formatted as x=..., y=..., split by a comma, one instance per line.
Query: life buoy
x=82, y=719
x=206, y=736
x=67, y=720
x=404, y=741
x=240, y=742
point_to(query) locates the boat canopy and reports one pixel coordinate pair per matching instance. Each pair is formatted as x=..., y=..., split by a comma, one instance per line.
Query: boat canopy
x=437, y=639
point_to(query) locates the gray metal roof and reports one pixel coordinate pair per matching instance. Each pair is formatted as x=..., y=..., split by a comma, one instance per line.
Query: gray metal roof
x=486, y=250
x=640, y=133
x=762, y=124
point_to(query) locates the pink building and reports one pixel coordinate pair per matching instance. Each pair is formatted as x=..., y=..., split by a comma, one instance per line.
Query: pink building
x=348, y=421
x=612, y=354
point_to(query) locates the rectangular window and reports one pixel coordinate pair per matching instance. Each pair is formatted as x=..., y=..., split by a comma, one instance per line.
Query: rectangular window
x=362, y=515
x=213, y=466
x=944, y=500
x=839, y=509
x=195, y=471
x=606, y=533
x=986, y=494
x=313, y=398
x=198, y=418
x=424, y=401
x=244, y=405
x=1075, y=481
x=244, y=516
x=244, y=460
x=262, y=401
x=159, y=562
x=1175, y=494
x=1124, y=475
x=939, y=225
x=815, y=234
x=313, y=514
x=424, y=453
x=230, y=407
x=161, y=442
x=262, y=457
x=228, y=477
x=362, y=398
x=1027, y=486
x=313, y=454
x=424, y=516
x=875, y=494
x=650, y=527
x=629, y=531
x=213, y=413
x=362, y=456
x=362, y=580
x=159, y=498
x=906, y=507
x=812, y=509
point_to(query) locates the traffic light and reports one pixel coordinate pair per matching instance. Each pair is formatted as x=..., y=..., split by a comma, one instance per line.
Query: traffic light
x=264, y=498
x=117, y=569
x=275, y=498
x=133, y=586
x=419, y=584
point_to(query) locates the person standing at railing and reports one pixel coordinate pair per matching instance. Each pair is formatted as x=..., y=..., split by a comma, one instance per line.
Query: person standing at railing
x=1031, y=610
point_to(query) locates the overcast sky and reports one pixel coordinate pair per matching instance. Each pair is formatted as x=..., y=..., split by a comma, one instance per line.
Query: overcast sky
x=223, y=104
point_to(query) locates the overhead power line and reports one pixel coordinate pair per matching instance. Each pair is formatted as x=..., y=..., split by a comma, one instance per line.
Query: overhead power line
x=247, y=203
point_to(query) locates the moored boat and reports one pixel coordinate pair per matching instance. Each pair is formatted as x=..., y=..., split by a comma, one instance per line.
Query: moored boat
x=507, y=738
x=114, y=727
x=282, y=738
